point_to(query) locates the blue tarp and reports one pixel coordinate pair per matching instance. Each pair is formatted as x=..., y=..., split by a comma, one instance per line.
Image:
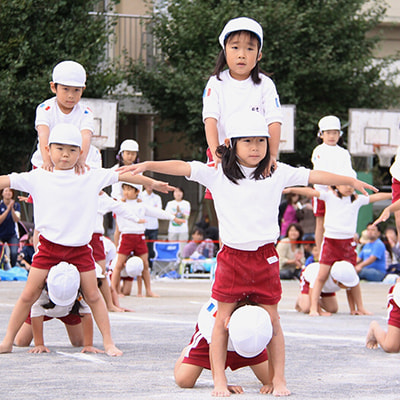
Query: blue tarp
x=14, y=274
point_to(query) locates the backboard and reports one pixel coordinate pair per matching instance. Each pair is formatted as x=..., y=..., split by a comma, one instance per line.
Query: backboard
x=374, y=131
x=287, y=130
x=105, y=119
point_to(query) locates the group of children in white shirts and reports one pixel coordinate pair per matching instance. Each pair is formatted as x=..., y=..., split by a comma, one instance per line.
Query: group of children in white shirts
x=242, y=117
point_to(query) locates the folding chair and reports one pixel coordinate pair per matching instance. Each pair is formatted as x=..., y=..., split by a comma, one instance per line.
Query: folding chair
x=166, y=257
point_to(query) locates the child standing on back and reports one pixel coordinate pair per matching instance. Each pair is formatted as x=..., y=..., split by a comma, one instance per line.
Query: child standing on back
x=240, y=87
x=65, y=213
x=328, y=156
x=247, y=264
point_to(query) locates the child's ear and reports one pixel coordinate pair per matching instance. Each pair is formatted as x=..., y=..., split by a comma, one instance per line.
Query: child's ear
x=259, y=56
x=53, y=87
x=227, y=143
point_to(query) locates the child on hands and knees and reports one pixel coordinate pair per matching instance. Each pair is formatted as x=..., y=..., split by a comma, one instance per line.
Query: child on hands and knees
x=60, y=197
x=249, y=330
x=247, y=264
x=60, y=299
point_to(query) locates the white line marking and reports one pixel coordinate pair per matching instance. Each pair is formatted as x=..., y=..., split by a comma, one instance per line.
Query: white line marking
x=82, y=357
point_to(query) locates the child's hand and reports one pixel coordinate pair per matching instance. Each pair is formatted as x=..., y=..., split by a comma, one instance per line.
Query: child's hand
x=162, y=187
x=39, y=349
x=135, y=169
x=383, y=217
x=179, y=221
x=80, y=167
x=235, y=389
x=141, y=221
x=23, y=199
x=91, y=349
x=48, y=165
x=362, y=186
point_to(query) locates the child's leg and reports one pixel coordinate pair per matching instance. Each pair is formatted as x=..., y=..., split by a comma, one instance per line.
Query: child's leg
x=24, y=336
x=303, y=303
x=389, y=341
x=276, y=352
x=29, y=295
x=218, y=349
x=75, y=334
x=354, y=298
x=319, y=232
x=96, y=303
x=105, y=289
x=146, y=276
x=263, y=373
x=323, y=274
x=329, y=304
x=116, y=275
x=126, y=287
x=186, y=375
x=139, y=286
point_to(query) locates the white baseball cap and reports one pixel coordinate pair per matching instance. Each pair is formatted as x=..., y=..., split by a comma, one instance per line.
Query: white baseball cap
x=129, y=145
x=66, y=134
x=345, y=273
x=133, y=267
x=329, y=123
x=63, y=283
x=241, y=24
x=246, y=124
x=250, y=330
x=396, y=294
x=69, y=73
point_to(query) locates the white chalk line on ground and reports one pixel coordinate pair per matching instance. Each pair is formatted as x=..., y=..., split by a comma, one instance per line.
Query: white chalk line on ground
x=82, y=357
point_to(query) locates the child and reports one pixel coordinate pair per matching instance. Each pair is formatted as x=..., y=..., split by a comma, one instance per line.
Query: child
x=133, y=269
x=249, y=330
x=395, y=172
x=390, y=340
x=132, y=236
x=342, y=276
x=247, y=264
x=65, y=213
x=331, y=157
x=62, y=300
x=68, y=85
x=241, y=87
x=340, y=223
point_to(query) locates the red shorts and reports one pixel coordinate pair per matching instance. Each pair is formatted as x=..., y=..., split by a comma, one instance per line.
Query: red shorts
x=49, y=254
x=305, y=288
x=70, y=319
x=394, y=312
x=395, y=190
x=207, y=194
x=252, y=275
x=318, y=207
x=132, y=242
x=98, y=247
x=338, y=250
x=198, y=354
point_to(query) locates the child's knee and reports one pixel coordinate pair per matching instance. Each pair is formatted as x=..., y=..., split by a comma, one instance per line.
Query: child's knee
x=92, y=296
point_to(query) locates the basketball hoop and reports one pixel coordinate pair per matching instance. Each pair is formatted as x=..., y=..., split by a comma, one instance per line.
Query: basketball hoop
x=385, y=154
x=99, y=141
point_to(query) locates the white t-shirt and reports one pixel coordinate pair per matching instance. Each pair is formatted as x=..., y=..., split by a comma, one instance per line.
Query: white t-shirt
x=310, y=275
x=334, y=159
x=184, y=212
x=142, y=210
x=58, y=311
x=152, y=200
x=225, y=97
x=48, y=113
x=248, y=211
x=395, y=168
x=340, y=221
x=65, y=203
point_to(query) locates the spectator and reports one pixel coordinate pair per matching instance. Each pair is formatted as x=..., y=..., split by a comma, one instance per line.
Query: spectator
x=26, y=253
x=198, y=246
x=371, y=262
x=289, y=212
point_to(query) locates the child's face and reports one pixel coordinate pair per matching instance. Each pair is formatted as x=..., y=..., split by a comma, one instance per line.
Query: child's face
x=129, y=192
x=178, y=195
x=330, y=137
x=128, y=157
x=345, y=190
x=7, y=193
x=241, y=53
x=67, y=96
x=250, y=151
x=64, y=156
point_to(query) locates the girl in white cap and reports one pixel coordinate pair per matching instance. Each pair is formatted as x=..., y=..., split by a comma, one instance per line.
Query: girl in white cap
x=60, y=299
x=340, y=224
x=247, y=203
x=240, y=87
x=329, y=156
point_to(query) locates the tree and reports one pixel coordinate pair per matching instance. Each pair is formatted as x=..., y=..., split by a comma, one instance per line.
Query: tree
x=36, y=35
x=318, y=52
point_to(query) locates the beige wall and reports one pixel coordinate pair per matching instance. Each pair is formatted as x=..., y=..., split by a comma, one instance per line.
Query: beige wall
x=133, y=7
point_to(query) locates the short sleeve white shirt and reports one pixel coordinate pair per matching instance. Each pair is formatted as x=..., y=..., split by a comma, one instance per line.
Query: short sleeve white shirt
x=395, y=168
x=248, y=211
x=227, y=96
x=152, y=200
x=184, y=212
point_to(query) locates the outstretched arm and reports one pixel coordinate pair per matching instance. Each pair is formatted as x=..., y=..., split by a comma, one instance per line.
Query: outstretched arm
x=302, y=191
x=160, y=186
x=387, y=211
x=171, y=167
x=327, y=178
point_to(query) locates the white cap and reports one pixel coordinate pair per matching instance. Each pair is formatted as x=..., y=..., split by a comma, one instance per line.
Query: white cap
x=135, y=185
x=241, y=24
x=63, y=283
x=129, y=145
x=345, y=273
x=133, y=267
x=66, y=134
x=329, y=123
x=396, y=294
x=69, y=73
x=250, y=330
x=246, y=124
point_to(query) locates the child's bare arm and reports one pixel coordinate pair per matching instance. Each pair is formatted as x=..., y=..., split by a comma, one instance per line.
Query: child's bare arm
x=380, y=196
x=210, y=126
x=302, y=191
x=160, y=186
x=274, y=130
x=43, y=137
x=87, y=326
x=37, y=331
x=171, y=167
x=81, y=165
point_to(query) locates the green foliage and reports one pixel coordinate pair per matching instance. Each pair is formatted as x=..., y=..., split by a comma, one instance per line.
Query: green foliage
x=318, y=52
x=36, y=35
